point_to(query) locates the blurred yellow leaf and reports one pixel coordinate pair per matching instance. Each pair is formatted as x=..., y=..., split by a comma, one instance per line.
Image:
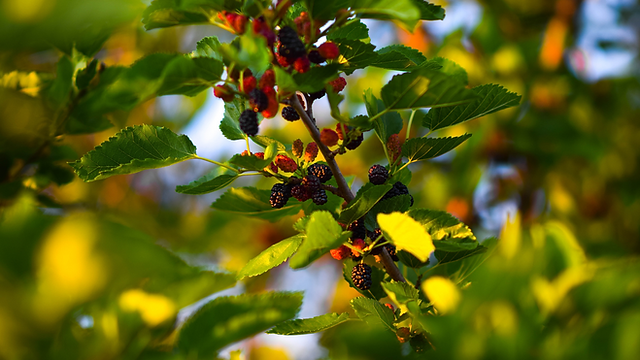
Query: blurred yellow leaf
x=443, y=293
x=510, y=237
x=407, y=234
x=154, y=309
x=27, y=10
x=549, y=294
x=69, y=270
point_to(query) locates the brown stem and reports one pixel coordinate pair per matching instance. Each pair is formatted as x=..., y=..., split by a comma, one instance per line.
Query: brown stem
x=343, y=187
x=390, y=266
x=333, y=189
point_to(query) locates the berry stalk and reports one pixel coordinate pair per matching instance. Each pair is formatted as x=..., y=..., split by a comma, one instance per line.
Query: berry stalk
x=343, y=187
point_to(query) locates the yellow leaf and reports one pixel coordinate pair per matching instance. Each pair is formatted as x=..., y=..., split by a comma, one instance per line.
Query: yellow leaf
x=154, y=309
x=443, y=293
x=406, y=234
x=510, y=237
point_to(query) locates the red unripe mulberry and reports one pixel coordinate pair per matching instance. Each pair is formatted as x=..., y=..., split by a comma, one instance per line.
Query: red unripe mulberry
x=358, y=244
x=286, y=163
x=329, y=50
x=340, y=253
x=338, y=84
x=248, y=83
x=301, y=64
x=329, y=137
x=223, y=92
x=311, y=152
x=268, y=79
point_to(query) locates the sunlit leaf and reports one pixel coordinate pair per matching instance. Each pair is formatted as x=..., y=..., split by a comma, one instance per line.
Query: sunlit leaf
x=373, y=312
x=418, y=149
x=425, y=88
x=309, y=326
x=207, y=183
x=250, y=201
x=406, y=234
x=363, y=203
x=354, y=31
x=442, y=293
x=323, y=234
x=134, y=149
x=492, y=98
x=273, y=256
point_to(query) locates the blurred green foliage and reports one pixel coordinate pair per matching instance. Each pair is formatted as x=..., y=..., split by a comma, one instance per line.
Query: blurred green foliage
x=562, y=284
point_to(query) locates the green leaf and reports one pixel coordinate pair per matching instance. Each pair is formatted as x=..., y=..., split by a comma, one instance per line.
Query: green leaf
x=325, y=9
x=266, y=141
x=132, y=150
x=229, y=319
x=273, y=256
x=425, y=88
x=449, y=67
x=363, y=202
x=406, y=234
x=418, y=149
x=400, y=292
x=189, y=76
x=165, y=13
x=309, y=326
x=208, y=47
x=334, y=104
x=207, y=183
x=316, y=78
x=404, y=176
x=248, y=51
x=357, y=54
x=387, y=124
x=301, y=224
x=377, y=277
x=323, y=234
x=250, y=201
x=285, y=80
x=441, y=225
x=354, y=31
x=450, y=256
x=402, y=10
x=193, y=288
x=361, y=122
x=252, y=162
x=58, y=91
x=84, y=77
x=410, y=260
x=429, y=11
x=398, y=57
x=492, y=98
x=399, y=203
x=373, y=312
x=229, y=126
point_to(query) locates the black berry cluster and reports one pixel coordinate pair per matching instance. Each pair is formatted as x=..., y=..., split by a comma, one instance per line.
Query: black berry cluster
x=315, y=57
x=397, y=190
x=291, y=47
x=258, y=100
x=361, y=276
x=321, y=171
x=378, y=174
x=354, y=143
x=311, y=182
x=290, y=114
x=358, y=231
x=280, y=194
x=319, y=197
x=249, y=122
x=300, y=193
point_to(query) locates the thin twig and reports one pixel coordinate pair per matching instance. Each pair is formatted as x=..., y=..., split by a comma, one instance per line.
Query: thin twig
x=343, y=187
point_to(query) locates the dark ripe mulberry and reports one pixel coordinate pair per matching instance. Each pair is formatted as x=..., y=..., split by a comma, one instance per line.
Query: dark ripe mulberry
x=300, y=193
x=249, y=122
x=378, y=174
x=317, y=95
x=315, y=57
x=280, y=194
x=361, y=276
x=397, y=190
x=311, y=182
x=354, y=143
x=358, y=231
x=258, y=100
x=290, y=114
x=319, y=197
x=321, y=171
x=391, y=249
x=291, y=47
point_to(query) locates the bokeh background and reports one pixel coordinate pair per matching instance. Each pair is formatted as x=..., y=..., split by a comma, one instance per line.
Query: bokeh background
x=565, y=163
